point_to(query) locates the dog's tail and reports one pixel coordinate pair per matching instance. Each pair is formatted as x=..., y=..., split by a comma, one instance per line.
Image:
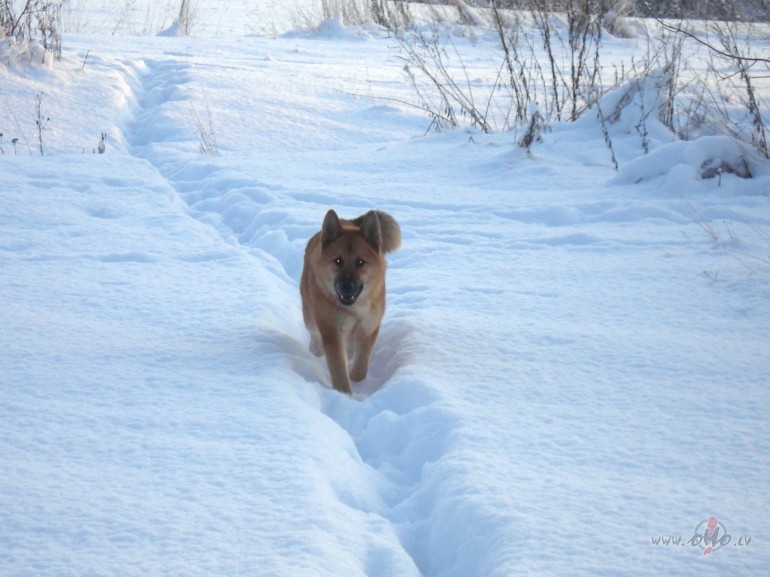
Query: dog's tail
x=390, y=231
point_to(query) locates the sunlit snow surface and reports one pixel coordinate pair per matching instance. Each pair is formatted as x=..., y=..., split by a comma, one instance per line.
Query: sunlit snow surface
x=573, y=362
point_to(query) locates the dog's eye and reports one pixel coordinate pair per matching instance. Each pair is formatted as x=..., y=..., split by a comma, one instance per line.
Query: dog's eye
x=338, y=261
x=360, y=262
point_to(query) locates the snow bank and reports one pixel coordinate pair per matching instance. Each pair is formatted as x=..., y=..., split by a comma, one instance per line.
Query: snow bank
x=19, y=55
x=706, y=157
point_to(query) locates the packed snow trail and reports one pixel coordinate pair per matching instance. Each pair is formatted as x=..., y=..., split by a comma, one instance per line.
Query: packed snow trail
x=421, y=428
x=556, y=375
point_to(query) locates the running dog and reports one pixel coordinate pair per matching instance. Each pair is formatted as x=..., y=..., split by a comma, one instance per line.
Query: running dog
x=343, y=290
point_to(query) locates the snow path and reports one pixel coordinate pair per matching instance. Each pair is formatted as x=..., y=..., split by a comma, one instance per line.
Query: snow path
x=415, y=426
x=160, y=86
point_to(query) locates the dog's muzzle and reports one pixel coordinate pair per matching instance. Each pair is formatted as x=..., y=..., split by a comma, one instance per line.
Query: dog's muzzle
x=348, y=291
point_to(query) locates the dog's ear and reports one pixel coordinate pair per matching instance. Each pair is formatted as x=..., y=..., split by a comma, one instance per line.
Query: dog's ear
x=331, y=229
x=370, y=229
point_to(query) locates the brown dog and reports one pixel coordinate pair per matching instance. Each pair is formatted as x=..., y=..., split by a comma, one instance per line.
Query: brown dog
x=343, y=290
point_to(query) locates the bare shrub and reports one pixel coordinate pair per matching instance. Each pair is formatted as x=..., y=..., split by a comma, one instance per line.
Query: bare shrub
x=391, y=15
x=444, y=88
x=187, y=13
x=34, y=20
x=559, y=73
x=730, y=77
x=558, y=69
x=741, y=60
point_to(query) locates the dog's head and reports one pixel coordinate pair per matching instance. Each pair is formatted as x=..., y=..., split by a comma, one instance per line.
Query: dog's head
x=351, y=254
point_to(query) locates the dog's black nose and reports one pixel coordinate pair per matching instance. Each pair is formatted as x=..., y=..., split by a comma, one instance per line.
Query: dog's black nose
x=348, y=287
x=348, y=290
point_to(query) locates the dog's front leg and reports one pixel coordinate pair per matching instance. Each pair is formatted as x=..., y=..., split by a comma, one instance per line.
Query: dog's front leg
x=337, y=359
x=364, y=348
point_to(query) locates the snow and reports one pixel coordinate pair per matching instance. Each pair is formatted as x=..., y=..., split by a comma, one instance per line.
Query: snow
x=573, y=360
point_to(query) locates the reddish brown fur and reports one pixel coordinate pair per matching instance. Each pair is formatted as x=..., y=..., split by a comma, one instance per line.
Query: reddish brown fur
x=349, y=251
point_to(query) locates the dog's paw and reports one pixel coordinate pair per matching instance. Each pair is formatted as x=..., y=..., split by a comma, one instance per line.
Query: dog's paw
x=357, y=374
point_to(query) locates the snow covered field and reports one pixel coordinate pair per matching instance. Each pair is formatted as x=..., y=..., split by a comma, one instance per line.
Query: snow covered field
x=574, y=361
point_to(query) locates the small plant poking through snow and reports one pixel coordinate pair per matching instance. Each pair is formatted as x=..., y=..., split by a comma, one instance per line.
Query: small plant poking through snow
x=41, y=121
x=204, y=129
x=2, y=147
x=534, y=128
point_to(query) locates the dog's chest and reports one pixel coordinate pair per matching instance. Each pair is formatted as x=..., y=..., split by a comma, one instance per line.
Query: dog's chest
x=362, y=318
